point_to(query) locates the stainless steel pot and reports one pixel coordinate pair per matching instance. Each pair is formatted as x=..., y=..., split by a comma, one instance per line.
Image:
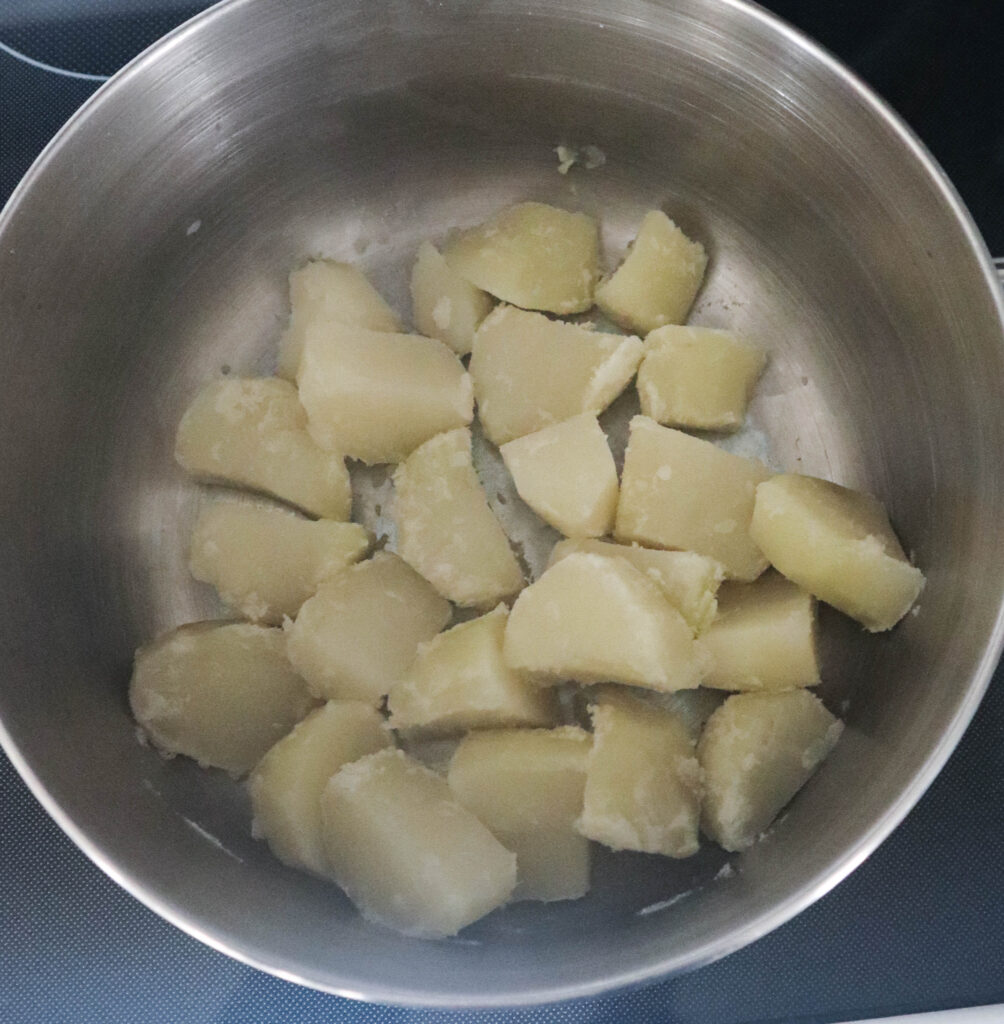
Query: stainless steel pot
x=147, y=250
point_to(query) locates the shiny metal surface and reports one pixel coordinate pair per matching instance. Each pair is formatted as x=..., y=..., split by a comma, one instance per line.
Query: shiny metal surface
x=147, y=251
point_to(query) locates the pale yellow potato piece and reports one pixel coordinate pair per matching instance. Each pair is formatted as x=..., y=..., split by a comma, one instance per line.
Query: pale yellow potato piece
x=658, y=280
x=265, y=562
x=356, y=637
x=764, y=637
x=757, y=750
x=445, y=305
x=692, y=707
x=698, y=377
x=253, y=433
x=687, y=580
x=526, y=786
x=406, y=852
x=679, y=491
x=459, y=681
x=643, y=781
x=287, y=783
x=221, y=693
x=839, y=545
x=377, y=396
x=566, y=474
x=532, y=255
x=325, y=290
x=595, y=619
x=530, y=371
x=445, y=528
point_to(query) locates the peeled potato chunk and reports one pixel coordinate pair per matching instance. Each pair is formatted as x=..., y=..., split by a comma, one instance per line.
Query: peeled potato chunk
x=322, y=291
x=566, y=474
x=445, y=305
x=764, y=637
x=253, y=433
x=698, y=377
x=459, y=681
x=377, y=396
x=596, y=619
x=643, y=781
x=839, y=545
x=445, y=528
x=692, y=707
x=757, y=751
x=526, y=785
x=530, y=371
x=658, y=280
x=287, y=783
x=406, y=852
x=532, y=255
x=359, y=633
x=679, y=491
x=219, y=693
x=266, y=562
x=687, y=580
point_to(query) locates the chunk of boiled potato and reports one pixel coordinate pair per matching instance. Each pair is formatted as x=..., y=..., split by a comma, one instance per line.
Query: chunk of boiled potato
x=658, y=280
x=532, y=255
x=596, y=619
x=253, y=433
x=445, y=305
x=698, y=377
x=692, y=707
x=530, y=371
x=445, y=528
x=526, y=785
x=377, y=396
x=406, y=852
x=764, y=637
x=643, y=781
x=679, y=491
x=356, y=637
x=839, y=545
x=266, y=562
x=459, y=681
x=287, y=783
x=757, y=750
x=325, y=290
x=566, y=474
x=687, y=580
x=221, y=693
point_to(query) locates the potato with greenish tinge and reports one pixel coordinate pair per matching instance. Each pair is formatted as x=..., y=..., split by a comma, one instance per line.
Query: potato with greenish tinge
x=445, y=305
x=406, y=852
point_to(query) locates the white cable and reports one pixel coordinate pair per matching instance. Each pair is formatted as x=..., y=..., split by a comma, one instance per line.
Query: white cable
x=49, y=67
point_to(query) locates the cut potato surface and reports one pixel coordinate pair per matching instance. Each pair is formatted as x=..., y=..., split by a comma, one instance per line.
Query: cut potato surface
x=692, y=707
x=459, y=681
x=287, y=783
x=526, y=785
x=679, y=491
x=566, y=474
x=377, y=396
x=219, y=693
x=757, y=750
x=687, y=580
x=445, y=528
x=265, y=562
x=406, y=852
x=532, y=255
x=839, y=545
x=445, y=305
x=698, y=377
x=658, y=280
x=764, y=637
x=325, y=290
x=595, y=619
x=643, y=781
x=530, y=371
x=356, y=637
x=253, y=433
